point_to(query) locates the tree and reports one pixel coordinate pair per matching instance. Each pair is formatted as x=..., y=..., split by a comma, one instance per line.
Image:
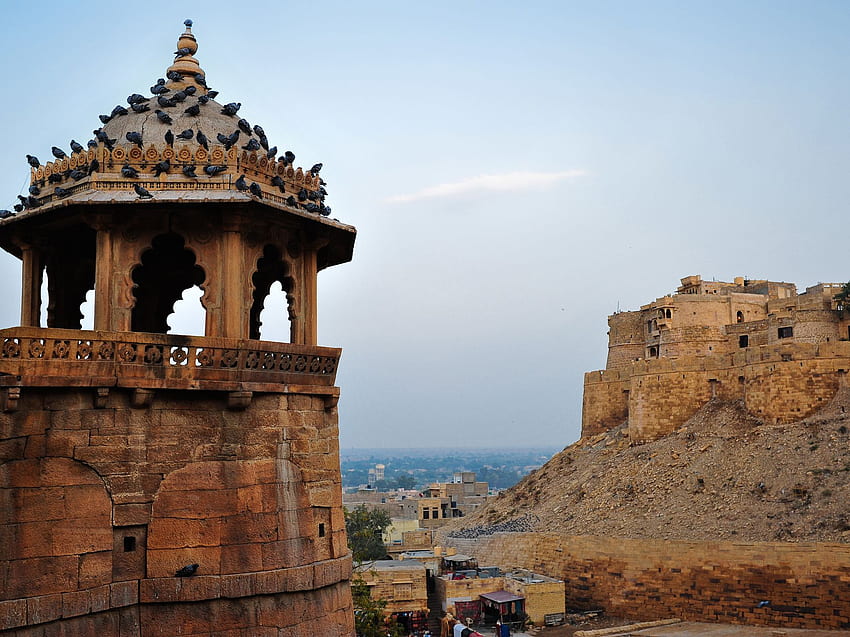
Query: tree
x=406, y=481
x=365, y=528
x=369, y=614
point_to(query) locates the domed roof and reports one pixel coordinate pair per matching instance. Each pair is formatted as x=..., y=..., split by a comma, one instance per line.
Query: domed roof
x=150, y=151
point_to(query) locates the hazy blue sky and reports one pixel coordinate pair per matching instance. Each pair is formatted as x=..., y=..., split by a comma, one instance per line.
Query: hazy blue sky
x=515, y=171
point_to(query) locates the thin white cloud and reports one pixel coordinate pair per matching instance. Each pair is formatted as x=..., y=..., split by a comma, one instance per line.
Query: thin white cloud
x=489, y=183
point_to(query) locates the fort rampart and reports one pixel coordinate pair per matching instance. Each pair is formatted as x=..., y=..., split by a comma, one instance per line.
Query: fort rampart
x=777, y=383
x=805, y=585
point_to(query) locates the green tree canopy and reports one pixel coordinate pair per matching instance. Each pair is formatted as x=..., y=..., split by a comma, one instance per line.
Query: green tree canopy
x=365, y=528
x=369, y=614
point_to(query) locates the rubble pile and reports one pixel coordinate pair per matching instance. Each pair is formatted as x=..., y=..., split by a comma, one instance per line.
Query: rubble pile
x=722, y=475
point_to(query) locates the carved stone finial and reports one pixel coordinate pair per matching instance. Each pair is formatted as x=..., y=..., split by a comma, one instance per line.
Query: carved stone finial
x=185, y=64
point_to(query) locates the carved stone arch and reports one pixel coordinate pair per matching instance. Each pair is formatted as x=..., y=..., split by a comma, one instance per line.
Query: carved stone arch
x=272, y=266
x=164, y=271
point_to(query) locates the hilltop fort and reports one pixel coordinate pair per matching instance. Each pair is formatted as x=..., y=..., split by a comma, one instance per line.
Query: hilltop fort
x=782, y=353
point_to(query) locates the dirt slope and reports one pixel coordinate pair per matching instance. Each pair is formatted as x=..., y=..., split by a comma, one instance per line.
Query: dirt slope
x=723, y=475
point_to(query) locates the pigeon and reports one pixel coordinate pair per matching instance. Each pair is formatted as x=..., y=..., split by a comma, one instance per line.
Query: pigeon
x=128, y=171
x=189, y=170
x=290, y=201
x=240, y=183
x=212, y=94
x=271, y=152
x=231, y=109
x=244, y=126
x=33, y=161
x=32, y=202
x=118, y=110
x=160, y=89
x=174, y=76
x=61, y=192
x=259, y=130
x=194, y=109
x=77, y=148
x=256, y=190
x=312, y=195
x=34, y=190
x=289, y=157
x=140, y=108
x=135, y=138
x=187, y=571
x=104, y=118
x=315, y=169
x=163, y=117
x=213, y=170
x=302, y=195
x=203, y=99
x=264, y=142
x=55, y=178
x=200, y=79
x=277, y=181
x=179, y=96
x=18, y=207
x=76, y=175
x=324, y=210
x=162, y=167
x=91, y=143
x=103, y=137
x=183, y=51
x=5, y=214
x=169, y=137
x=190, y=90
x=135, y=98
x=94, y=166
x=228, y=142
x=252, y=144
x=143, y=193
x=186, y=134
x=165, y=102
x=311, y=207
x=58, y=153
x=202, y=140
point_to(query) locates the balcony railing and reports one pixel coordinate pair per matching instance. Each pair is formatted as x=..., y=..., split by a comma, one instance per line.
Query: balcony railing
x=50, y=357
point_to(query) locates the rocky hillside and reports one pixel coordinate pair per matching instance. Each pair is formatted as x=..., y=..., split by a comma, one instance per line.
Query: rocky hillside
x=723, y=475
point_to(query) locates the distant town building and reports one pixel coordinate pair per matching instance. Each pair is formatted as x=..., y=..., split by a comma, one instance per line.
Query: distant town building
x=403, y=584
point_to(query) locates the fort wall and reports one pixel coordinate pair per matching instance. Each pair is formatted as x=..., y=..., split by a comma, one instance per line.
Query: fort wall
x=805, y=584
x=113, y=493
x=777, y=383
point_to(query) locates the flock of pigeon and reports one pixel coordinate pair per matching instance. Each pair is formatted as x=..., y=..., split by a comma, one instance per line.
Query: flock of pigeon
x=309, y=200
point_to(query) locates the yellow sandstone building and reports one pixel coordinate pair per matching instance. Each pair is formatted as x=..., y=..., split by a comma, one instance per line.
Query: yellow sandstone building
x=782, y=353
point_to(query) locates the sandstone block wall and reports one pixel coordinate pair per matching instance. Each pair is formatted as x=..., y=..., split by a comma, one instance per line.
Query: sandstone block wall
x=777, y=383
x=99, y=506
x=806, y=584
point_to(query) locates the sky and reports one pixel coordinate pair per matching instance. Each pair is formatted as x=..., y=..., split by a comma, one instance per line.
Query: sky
x=516, y=171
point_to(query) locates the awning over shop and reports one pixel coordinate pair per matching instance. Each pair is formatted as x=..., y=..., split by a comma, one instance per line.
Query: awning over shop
x=501, y=597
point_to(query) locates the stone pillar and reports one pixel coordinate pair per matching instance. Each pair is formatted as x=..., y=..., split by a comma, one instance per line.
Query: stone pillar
x=234, y=315
x=103, y=281
x=31, y=271
x=309, y=300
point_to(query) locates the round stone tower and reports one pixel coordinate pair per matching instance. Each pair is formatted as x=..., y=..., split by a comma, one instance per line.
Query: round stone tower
x=154, y=483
